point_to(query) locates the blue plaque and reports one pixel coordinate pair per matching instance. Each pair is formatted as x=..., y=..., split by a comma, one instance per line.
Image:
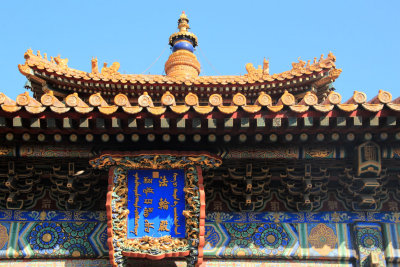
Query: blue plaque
x=156, y=201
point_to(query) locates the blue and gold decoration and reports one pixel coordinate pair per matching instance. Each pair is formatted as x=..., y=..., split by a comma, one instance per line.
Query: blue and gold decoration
x=326, y=240
x=62, y=236
x=156, y=202
x=47, y=238
x=143, y=190
x=271, y=238
x=182, y=63
x=304, y=217
x=62, y=239
x=368, y=237
x=250, y=240
x=227, y=235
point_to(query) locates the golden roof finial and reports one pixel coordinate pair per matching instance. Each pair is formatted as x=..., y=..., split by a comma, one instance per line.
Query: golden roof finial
x=183, y=26
x=183, y=23
x=183, y=16
x=182, y=62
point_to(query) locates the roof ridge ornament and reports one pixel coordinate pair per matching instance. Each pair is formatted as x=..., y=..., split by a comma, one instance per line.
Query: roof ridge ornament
x=183, y=26
x=182, y=63
x=183, y=22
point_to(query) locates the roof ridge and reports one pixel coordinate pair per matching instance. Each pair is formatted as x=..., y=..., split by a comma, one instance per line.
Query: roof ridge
x=59, y=67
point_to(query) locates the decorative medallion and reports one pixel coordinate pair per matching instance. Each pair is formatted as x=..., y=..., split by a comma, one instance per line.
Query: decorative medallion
x=310, y=99
x=322, y=239
x=47, y=99
x=191, y=99
x=95, y=100
x=121, y=100
x=23, y=99
x=168, y=99
x=359, y=97
x=334, y=98
x=370, y=244
x=215, y=100
x=369, y=239
x=3, y=236
x=239, y=99
x=287, y=99
x=145, y=100
x=72, y=100
x=264, y=99
x=271, y=238
x=47, y=238
x=384, y=97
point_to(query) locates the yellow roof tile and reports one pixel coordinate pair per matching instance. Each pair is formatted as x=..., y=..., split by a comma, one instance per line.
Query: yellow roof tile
x=107, y=74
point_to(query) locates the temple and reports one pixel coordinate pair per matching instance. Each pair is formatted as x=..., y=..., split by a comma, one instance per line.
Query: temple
x=107, y=169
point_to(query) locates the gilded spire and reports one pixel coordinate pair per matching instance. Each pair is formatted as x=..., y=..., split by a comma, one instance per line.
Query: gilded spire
x=183, y=26
x=183, y=22
x=182, y=62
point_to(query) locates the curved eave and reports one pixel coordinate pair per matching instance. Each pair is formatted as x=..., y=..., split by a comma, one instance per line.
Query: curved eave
x=122, y=103
x=69, y=80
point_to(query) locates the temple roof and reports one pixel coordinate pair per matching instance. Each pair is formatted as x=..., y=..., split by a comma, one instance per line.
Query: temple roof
x=43, y=71
x=52, y=119
x=182, y=70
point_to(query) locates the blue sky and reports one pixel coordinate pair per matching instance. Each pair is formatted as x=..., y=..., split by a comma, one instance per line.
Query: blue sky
x=363, y=35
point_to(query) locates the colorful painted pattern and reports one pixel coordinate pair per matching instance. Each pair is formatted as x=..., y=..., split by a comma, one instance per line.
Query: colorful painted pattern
x=369, y=240
x=303, y=217
x=49, y=235
x=55, y=263
x=53, y=239
x=274, y=263
x=326, y=240
x=53, y=215
x=54, y=151
x=256, y=240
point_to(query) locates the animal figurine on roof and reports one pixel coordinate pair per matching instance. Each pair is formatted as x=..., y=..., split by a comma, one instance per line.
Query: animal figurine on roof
x=113, y=69
x=62, y=62
x=95, y=67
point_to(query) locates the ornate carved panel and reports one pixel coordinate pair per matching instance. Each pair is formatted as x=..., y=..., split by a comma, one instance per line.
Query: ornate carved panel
x=125, y=245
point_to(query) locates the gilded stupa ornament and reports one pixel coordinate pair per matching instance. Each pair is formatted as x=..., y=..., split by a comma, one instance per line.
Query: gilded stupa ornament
x=182, y=63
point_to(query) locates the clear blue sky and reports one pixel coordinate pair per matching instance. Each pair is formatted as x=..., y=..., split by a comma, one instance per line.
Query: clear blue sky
x=364, y=36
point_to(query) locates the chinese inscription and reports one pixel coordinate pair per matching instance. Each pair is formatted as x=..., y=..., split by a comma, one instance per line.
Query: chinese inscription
x=156, y=201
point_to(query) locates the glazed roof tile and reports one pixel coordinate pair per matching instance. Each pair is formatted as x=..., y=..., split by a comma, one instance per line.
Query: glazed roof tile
x=35, y=64
x=216, y=104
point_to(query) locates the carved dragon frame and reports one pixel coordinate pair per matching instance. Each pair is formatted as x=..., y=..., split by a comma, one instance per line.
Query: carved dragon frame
x=155, y=248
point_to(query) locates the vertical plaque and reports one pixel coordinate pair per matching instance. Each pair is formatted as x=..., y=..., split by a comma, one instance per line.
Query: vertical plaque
x=156, y=204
